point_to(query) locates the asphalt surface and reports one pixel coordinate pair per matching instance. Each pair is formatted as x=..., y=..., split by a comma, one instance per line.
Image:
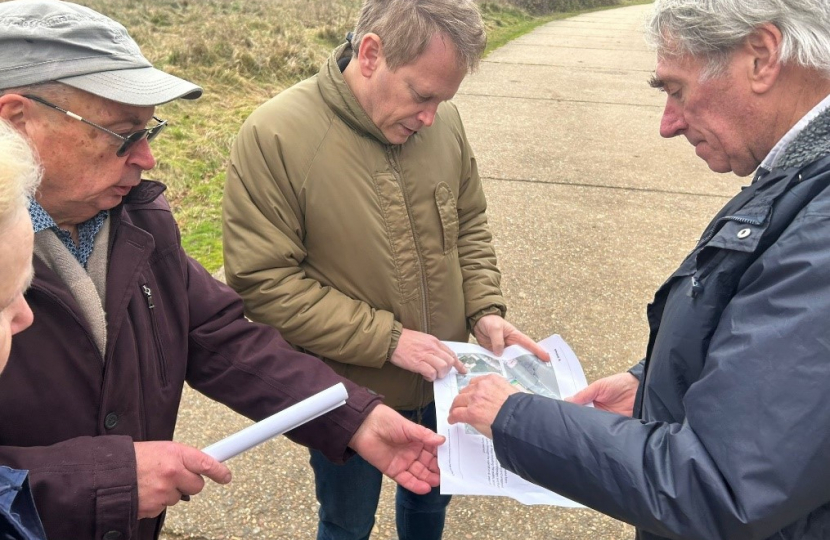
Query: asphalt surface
x=591, y=211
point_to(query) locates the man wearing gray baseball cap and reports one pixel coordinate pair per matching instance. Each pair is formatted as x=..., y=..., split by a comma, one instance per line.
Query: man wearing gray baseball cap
x=122, y=316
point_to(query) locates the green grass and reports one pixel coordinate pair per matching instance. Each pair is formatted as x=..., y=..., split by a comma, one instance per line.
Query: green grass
x=242, y=52
x=506, y=22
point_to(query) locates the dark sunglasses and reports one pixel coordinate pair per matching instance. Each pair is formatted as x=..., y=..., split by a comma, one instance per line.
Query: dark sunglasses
x=127, y=141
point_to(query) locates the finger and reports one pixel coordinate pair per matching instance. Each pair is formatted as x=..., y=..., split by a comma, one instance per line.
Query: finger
x=200, y=463
x=519, y=338
x=409, y=482
x=448, y=359
x=424, y=435
x=444, y=367
x=497, y=341
x=172, y=498
x=458, y=414
x=449, y=352
x=189, y=484
x=459, y=366
x=584, y=396
x=428, y=369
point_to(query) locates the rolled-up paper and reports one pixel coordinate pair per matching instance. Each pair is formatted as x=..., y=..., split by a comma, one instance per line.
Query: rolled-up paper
x=278, y=423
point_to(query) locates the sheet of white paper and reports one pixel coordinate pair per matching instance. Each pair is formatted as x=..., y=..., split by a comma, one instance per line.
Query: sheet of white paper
x=467, y=459
x=278, y=423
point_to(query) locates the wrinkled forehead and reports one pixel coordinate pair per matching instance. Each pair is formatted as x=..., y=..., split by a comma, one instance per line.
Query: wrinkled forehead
x=105, y=110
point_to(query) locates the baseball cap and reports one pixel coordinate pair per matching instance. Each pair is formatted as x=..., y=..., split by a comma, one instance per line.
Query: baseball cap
x=49, y=40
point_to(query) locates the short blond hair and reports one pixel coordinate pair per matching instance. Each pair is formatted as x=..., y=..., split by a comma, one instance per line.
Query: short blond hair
x=20, y=173
x=406, y=27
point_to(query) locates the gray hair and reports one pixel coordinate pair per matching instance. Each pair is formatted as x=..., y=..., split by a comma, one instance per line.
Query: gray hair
x=405, y=28
x=19, y=173
x=54, y=91
x=711, y=30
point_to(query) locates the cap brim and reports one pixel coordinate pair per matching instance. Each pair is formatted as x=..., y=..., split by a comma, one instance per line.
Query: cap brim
x=141, y=87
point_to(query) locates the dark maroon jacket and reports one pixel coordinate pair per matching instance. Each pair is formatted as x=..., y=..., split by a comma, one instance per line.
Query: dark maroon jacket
x=70, y=417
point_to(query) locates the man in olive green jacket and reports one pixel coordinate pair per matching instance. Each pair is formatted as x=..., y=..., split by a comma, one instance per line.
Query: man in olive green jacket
x=354, y=222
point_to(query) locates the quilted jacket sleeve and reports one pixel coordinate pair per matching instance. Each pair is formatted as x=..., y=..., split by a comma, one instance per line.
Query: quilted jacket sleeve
x=476, y=254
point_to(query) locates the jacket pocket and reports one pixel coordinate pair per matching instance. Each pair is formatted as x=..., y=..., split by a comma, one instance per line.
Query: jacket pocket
x=147, y=292
x=448, y=211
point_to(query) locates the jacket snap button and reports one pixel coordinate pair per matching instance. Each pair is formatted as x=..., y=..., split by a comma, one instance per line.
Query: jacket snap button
x=110, y=422
x=112, y=535
x=743, y=233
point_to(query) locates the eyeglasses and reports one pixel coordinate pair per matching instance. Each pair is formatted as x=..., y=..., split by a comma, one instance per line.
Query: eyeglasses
x=127, y=141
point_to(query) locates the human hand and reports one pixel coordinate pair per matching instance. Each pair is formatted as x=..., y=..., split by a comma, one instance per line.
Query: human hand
x=425, y=354
x=480, y=402
x=400, y=449
x=613, y=394
x=494, y=333
x=167, y=470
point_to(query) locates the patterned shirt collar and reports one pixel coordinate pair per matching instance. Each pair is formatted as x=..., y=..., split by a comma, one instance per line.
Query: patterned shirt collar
x=87, y=231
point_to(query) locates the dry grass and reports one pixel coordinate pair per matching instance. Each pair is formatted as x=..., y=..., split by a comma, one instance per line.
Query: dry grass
x=242, y=52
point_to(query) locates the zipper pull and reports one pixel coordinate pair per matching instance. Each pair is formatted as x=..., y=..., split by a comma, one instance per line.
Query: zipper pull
x=697, y=287
x=148, y=293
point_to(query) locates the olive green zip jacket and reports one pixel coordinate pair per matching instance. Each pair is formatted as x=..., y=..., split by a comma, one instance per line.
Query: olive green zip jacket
x=339, y=239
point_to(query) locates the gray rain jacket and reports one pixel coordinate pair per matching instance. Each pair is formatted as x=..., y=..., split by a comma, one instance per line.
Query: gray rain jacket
x=731, y=435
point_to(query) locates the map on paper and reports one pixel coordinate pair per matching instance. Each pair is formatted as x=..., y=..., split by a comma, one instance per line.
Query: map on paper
x=467, y=460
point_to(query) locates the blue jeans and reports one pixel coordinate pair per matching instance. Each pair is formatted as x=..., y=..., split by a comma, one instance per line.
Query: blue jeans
x=348, y=495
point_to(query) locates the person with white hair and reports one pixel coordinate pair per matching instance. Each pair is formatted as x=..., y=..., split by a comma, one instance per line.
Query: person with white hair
x=123, y=317
x=723, y=430
x=19, y=177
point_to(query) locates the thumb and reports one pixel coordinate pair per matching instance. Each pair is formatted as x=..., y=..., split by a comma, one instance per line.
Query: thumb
x=584, y=396
x=497, y=341
x=426, y=436
x=200, y=463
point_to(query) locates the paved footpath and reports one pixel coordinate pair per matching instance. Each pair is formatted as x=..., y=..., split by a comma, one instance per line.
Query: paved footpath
x=590, y=209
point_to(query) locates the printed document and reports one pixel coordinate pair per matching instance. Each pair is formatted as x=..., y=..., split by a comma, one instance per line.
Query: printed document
x=468, y=460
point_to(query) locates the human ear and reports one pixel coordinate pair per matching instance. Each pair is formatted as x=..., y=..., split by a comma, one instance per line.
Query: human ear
x=14, y=110
x=763, y=46
x=369, y=54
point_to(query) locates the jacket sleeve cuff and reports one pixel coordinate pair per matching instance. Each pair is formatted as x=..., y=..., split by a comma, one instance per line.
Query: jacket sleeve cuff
x=116, y=488
x=501, y=311
x=637, y=370
x=397, y=328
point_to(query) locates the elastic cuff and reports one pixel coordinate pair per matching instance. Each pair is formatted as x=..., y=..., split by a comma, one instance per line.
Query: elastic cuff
x=397, y=328
x=501, y=311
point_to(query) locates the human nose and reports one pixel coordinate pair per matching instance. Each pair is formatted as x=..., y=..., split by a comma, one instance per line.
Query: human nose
x=23, y=316
x=141, y=155
x=673, y=121
x=427, y=116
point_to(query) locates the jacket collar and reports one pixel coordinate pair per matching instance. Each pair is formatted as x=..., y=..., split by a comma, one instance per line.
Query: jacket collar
x=811, y=144
x=340, y=98
x=145, y=192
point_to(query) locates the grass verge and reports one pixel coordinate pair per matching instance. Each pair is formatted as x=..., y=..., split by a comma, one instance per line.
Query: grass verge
x=242, y=52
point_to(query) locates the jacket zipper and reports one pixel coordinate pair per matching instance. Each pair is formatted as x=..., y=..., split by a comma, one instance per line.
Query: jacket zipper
x=698, y=277
x=424, y=290
x=711, y=233
x=162, y=361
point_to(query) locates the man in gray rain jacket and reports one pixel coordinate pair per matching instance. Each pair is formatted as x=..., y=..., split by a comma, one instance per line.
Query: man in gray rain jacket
x=723, y=431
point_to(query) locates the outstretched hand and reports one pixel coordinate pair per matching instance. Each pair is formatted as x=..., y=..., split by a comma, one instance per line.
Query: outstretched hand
x=494, y=333
x=400, y=449
x=613, y=394
x=479, y=402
